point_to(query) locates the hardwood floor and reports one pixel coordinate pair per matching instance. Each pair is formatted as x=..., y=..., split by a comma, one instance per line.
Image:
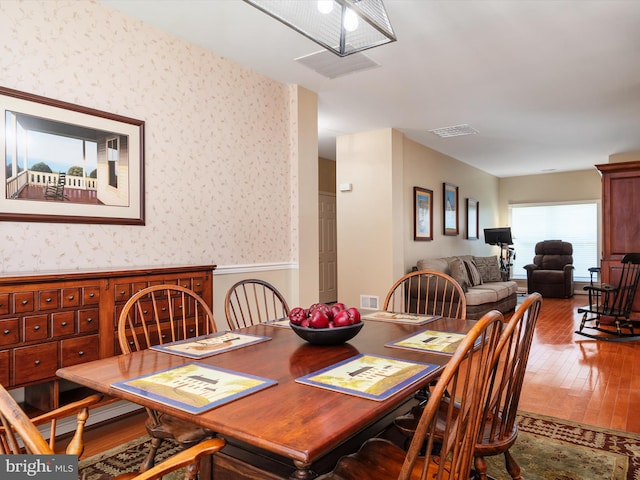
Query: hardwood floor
x=568, y=377
x=575, y=378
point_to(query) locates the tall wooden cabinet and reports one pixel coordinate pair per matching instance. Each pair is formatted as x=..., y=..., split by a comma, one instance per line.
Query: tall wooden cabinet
x=51, y=321
x=620, y=218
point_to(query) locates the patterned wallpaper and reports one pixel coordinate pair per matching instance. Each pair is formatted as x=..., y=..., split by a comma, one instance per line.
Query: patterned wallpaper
x=218, y=141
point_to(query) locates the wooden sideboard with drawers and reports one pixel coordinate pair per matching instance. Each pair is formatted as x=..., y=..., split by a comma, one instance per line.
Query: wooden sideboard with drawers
x=48, y=321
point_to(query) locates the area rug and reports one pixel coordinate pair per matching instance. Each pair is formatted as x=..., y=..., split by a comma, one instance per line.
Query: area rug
x=126, y=458
x=547, y=449
x=552, y=449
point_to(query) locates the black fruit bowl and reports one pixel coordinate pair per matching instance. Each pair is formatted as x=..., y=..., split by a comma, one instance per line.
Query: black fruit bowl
x=327, y=336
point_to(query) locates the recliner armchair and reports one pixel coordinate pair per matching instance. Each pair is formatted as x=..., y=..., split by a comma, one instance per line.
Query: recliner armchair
x=551, y=273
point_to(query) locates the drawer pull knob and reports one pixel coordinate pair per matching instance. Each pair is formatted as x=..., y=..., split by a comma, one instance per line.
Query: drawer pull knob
x=92, y=294
x=89, y=320
x=122, y=292
x=36, y=328
x=81, y=353
x=25, y=302
x=7, y=332
x=48, y=300
x=64, y=324
x=37, y=362
x=71, y=297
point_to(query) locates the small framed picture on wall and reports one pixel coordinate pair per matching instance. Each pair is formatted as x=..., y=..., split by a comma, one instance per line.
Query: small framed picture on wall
x=450, y=209
x=473, y=219
x=422, y=214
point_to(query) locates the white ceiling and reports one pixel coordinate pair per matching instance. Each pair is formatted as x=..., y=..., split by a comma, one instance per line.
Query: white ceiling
x=548, y=84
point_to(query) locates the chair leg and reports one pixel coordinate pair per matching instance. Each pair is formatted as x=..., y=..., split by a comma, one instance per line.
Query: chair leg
x=480, y=466
x=154, y=444
x=583, y=321
x=512, y=466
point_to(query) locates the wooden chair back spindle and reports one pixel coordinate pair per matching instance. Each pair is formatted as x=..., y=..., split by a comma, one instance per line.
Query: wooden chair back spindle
x=252, y=301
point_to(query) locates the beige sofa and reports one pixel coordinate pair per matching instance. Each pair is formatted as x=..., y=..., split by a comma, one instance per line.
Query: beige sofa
x=480, y=278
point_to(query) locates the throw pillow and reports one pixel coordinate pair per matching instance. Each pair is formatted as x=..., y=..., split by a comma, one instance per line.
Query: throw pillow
x=489, y=268
x=473, y=273
x=459, y=273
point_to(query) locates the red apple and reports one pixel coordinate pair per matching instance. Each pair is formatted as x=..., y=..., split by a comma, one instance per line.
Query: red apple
x=297, y=315
x=336, y=309
x=342, y=319
x=354, y=314
x=319, y=319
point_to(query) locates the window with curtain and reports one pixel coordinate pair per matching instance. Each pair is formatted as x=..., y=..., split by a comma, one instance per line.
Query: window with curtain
x=573, y=223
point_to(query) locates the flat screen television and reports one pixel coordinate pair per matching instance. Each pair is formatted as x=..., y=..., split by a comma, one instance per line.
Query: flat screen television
x=498, y=236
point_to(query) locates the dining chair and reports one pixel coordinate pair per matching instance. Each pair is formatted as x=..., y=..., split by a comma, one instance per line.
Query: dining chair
x=427, y=292
x=252, y=301
x=157, y=315
x=466, y=378
x=20, y=435
x=499, y=429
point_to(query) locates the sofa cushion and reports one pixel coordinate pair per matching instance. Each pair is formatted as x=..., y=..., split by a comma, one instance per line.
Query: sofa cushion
x=480, y=296
x=473, y=273
x=436, y=264
x=459, y=273
x=490, y=292
x=489, y=268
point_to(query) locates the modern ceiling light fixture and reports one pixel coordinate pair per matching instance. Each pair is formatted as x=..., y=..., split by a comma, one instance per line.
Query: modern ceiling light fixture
x=341, y=26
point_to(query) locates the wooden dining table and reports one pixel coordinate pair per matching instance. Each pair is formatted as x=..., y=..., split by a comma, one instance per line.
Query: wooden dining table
x=300, y=423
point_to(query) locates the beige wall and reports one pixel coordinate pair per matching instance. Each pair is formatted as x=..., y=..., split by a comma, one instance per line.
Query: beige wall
x=365, y=215
x=578, y=186
x=575, y=186
x=429, y=169
x=375, y=220
x=307, y=279
x=624, y=157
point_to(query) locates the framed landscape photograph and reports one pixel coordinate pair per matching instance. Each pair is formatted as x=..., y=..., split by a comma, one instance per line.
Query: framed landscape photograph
x=69, y=164
x=422, y=214
x=473, y=219
x=450, y=209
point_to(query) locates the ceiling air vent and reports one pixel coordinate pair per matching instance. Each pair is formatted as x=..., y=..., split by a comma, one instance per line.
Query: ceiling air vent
x=331, y=66
x=454, y=131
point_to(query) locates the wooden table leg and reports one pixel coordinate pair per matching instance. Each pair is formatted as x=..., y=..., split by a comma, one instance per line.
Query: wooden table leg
x=302, y=471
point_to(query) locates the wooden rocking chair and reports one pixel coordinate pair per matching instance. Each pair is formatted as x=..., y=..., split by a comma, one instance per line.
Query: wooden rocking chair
x=55, y=190
x=614, y=302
